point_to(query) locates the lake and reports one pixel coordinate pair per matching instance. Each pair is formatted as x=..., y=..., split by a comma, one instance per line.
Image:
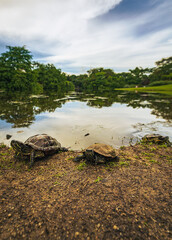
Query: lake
x=77, y=120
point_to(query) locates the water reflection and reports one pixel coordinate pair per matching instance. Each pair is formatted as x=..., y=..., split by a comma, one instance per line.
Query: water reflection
x=108, y=117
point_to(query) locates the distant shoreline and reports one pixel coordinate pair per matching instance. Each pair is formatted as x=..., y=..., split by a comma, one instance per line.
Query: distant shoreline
x=163, y=89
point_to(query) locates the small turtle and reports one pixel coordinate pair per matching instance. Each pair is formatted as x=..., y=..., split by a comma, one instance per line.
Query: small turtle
x=156, y=138
x=98, y=153
x=39, y=145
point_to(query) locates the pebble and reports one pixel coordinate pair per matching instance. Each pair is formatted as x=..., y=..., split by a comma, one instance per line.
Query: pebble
x=8, y=136
x=115, y=227
x=76, y=234
x=98, y=225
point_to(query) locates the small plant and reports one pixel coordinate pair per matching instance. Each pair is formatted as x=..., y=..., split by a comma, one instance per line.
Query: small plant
x=163, y=146
x=2, y=145
x=71, y=151
x=153, y=161
x=122, y=147
x=81, y=166
x=123, y=140
x=98, y=179
x=148, y=158
x=168, y=157
x=124, y=163
x=70, y=158
x=148, y=154
x=59, y=175
x=145, y=143
x=111, y=165
x=131, y=141
x=153, y=149
x=56, y=183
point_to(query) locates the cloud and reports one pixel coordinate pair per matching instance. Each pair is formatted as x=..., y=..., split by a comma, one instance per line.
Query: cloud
x=72, y=34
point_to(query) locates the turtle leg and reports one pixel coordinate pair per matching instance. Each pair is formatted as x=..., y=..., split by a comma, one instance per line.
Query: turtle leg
x=96, y=159
x=78, y=158
x=63, y=149
x=18, y=156
x=117, y=158
x=32, y=158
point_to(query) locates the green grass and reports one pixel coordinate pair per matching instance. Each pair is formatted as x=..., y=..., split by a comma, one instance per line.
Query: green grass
x=2, y=145
x=98, y=179
x=153, y=161
x=121, y=163
x=164, y=89
x=81, y=166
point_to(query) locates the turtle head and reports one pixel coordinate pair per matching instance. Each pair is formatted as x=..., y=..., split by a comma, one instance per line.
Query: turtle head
x=19, y=146
x=89, y=154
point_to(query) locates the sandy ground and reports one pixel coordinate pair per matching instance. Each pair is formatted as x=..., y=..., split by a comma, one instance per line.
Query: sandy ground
x=61, y=199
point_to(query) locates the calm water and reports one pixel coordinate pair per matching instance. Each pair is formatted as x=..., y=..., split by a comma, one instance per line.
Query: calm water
x=78, y=120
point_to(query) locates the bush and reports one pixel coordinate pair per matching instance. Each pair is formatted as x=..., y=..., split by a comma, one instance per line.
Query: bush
x=159, y=83
x=130, y=86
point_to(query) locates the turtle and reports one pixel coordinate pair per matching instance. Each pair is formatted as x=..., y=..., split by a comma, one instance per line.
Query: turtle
x=156, y=138
x=39, y=145
x=98, y=153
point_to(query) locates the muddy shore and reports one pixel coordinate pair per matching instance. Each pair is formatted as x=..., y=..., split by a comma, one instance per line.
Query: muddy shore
x=61, y=199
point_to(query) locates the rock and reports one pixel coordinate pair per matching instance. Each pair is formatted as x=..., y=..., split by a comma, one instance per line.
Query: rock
x=8, y=136
x=115, y=227
x=87, y=134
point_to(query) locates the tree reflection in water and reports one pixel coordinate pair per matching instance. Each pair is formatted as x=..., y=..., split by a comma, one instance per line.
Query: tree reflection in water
x=20, y=109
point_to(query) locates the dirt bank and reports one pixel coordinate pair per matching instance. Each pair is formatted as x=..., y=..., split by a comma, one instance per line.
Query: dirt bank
x=60, y=199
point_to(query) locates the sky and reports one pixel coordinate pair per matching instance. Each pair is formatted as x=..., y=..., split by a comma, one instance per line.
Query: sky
x=76, y=35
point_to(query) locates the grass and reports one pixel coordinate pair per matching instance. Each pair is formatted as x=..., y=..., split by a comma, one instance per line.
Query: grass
x=153, y=161
x=164, y=89
x=148, y=154
x=81, y=166
x=2, y=145
x=122, y=163
x=59, y=175
x=98, y=179
x=70, y=158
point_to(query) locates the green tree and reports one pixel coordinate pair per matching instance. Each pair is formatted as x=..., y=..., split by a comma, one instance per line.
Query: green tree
x=16, y=69
x=163, y=71
x=139, y=76
x=52, y=78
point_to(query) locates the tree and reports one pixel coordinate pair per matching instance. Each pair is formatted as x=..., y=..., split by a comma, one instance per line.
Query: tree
x=16, y=69
x=139, y=76
x=52, y=78
x=163, y=71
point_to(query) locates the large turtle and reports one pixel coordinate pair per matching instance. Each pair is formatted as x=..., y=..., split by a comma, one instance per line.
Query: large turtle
x=39, y=145
x=156, y=138
x=98, y=153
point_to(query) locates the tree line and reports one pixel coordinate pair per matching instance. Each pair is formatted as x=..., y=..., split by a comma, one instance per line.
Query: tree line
x=100, y=79
x=18, y=71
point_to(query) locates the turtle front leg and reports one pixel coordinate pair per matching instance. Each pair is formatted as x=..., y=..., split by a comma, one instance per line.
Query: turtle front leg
x=63, y=149
x=17, y=156
x=78, y=158
x=96, y=159
x=32, y=158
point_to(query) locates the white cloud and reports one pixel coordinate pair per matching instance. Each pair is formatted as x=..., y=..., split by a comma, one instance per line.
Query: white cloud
x=65, y=30
x=50, y=18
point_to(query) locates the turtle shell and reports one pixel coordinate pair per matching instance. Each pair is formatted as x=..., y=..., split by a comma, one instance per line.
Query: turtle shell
x=43, y=142
x=156, y=138
x=103, y=149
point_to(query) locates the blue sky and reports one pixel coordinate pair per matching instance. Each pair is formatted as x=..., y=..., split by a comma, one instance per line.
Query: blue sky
x=81, y=34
